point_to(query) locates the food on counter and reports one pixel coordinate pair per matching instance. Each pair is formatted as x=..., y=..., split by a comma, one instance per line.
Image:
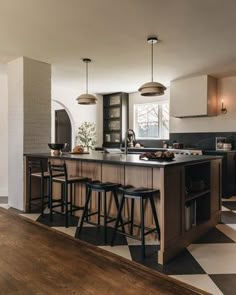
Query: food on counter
x=160, y=155
x=78, y=149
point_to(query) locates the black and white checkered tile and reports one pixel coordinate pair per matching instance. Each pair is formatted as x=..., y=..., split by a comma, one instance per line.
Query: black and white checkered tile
x=209, y=263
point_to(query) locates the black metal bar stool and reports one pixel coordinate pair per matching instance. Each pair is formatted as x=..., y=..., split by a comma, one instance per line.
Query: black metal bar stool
x=58, y=174
x=100, y=188
x=35, y=169
x=130, y=192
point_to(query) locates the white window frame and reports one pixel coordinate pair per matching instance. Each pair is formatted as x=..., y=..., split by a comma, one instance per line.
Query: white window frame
x=160, y=118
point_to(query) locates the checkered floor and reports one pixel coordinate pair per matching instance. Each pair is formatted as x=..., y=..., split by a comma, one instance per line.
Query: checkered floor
x=209, y=263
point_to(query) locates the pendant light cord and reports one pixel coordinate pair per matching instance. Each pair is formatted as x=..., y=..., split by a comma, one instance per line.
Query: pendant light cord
x=152, y=62
x=86, y=77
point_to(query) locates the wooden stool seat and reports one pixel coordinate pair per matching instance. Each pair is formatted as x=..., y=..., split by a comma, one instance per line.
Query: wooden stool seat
x=70, y=179
x=97, y=185
x=45, y=174
x=140, y=192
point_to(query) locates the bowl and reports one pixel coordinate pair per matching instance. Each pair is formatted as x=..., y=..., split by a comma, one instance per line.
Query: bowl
x=57, y=146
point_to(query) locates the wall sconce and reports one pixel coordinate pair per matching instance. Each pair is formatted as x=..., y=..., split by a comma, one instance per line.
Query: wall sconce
x=223, y=108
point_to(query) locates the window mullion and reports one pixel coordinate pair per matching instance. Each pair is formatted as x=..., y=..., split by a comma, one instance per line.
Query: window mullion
x=160, y=121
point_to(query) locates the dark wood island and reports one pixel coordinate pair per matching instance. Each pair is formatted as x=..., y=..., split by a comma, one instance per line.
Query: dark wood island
x=189, y=202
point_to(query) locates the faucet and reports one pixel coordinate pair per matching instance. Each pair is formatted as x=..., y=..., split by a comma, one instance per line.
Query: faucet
x=126, y=142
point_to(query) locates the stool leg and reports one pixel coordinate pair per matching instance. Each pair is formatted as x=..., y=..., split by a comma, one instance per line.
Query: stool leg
x=99, y=208
x=30, y=191
x=132, y=217
x=85, y=211
x=117, y=207
x=62, y=197
x=142, y=227
x=71, y=198
x=48, y=191
x=118, y=219
x=50, y=198
x=42, y=196
x=154, y=212
x=66, y=203
x=86, y=192
x=105, y=217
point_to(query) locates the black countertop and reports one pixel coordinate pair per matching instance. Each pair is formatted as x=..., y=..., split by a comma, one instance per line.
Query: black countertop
x=122, y=159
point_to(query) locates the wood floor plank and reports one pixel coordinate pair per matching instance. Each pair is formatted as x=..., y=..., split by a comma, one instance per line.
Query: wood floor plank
x=36, y=260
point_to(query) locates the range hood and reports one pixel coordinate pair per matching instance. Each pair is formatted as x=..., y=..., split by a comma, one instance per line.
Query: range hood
x=193, y=97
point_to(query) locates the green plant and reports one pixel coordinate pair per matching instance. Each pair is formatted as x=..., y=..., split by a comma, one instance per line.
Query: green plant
x=87, y=135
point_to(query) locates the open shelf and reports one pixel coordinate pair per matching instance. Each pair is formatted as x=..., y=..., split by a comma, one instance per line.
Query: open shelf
x=196, y=195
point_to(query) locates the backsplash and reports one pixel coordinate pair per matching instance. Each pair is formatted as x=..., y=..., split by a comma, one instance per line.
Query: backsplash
x=203, y=140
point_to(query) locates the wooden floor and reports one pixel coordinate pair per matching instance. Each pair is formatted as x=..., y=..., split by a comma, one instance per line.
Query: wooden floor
x=36, y=260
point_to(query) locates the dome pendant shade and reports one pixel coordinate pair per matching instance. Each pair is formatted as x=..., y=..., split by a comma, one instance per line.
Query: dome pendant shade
x=86, y=99
x=152, y=88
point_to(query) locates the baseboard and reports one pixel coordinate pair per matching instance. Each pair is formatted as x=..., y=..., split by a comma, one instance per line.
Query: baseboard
x=3, y=192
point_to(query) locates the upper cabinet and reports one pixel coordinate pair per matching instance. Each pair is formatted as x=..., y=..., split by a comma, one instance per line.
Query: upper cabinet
x=193, y=97
x=115, y=118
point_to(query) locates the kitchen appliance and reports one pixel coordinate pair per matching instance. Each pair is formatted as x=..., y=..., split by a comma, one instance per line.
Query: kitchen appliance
x=220, y=142
x=177, y=145
x=227, y=146
x=186, y=152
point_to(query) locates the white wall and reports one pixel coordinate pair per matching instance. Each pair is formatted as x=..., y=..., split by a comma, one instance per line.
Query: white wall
x=220, y=123
x=78, y=113
x=3, y=132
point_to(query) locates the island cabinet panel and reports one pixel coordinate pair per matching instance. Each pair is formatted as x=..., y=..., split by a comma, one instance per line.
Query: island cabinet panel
x=112, y=173
x=216, y=187
x=139, y=177
x=173, y=203
x=170, y=208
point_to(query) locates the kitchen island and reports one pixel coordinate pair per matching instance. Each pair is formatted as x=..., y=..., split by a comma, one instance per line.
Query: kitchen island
x=189, y=202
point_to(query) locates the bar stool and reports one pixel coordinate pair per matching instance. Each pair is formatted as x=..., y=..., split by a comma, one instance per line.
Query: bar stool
x=36, y=169
x=58, y=174
x=142, y=194
x=100, y=188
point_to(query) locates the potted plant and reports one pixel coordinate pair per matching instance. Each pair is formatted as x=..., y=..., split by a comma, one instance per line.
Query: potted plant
x=86, y=136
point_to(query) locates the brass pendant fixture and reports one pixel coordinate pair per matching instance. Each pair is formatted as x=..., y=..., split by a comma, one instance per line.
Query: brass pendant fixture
x=86, y=99
x=152, y=88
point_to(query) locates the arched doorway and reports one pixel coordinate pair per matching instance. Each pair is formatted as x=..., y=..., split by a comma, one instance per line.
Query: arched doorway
x=63, y=129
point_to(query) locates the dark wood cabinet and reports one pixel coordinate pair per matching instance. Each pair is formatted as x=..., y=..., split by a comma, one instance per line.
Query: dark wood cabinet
x=228, y=171
x=115, y=118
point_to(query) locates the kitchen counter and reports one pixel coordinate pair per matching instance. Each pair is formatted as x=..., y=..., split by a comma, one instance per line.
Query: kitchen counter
x=130, y=159
x=171, y=179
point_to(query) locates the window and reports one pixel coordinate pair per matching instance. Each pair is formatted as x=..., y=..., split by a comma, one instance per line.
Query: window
x=151, y=120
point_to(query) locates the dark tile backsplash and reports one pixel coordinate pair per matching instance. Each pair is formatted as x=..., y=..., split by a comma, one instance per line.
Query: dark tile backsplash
x=203, y=140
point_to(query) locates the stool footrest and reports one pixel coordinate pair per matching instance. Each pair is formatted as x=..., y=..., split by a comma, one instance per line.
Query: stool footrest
x=149, y=230
x=76, y=208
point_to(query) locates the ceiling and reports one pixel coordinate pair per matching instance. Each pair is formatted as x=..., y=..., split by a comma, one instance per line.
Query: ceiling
x=197, y=37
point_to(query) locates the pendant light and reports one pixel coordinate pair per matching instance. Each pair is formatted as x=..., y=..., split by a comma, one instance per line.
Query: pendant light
x=152, y=88
x=86, y=98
